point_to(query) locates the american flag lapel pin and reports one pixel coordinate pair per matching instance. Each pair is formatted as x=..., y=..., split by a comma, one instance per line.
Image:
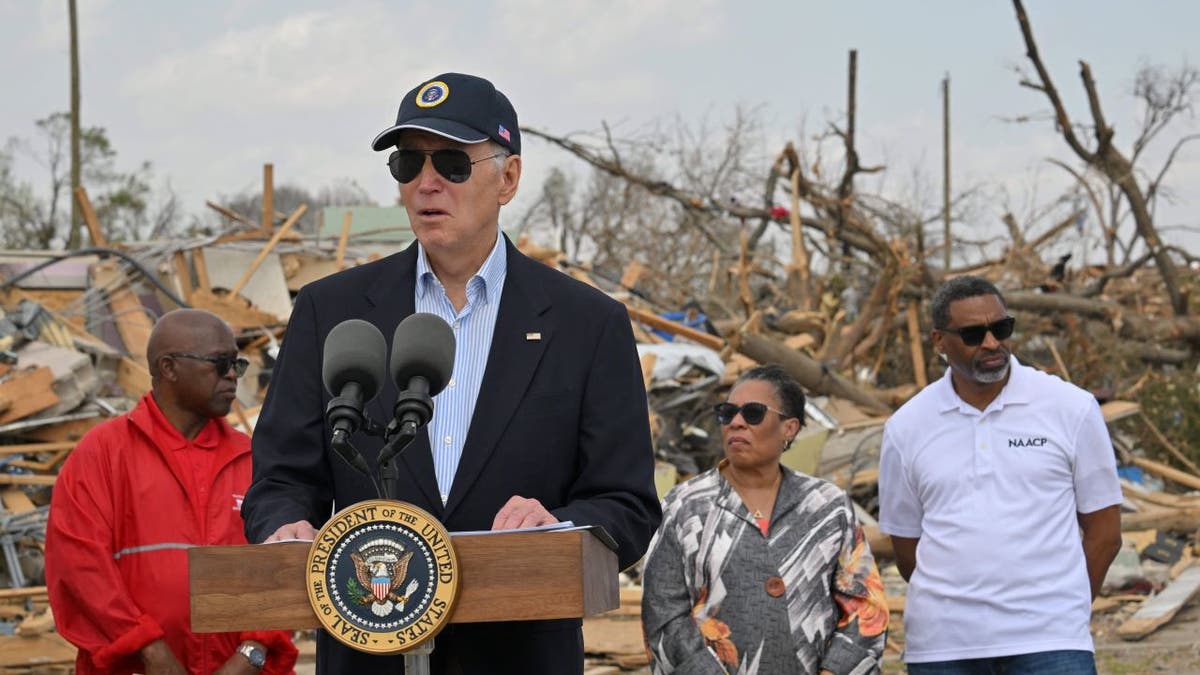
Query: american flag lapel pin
x=533, y=337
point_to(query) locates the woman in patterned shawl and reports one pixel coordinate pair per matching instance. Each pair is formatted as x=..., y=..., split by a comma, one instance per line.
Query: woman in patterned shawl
x=758, y=569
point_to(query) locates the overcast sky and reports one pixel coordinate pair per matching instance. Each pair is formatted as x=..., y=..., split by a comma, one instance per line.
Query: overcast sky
x=209, y=91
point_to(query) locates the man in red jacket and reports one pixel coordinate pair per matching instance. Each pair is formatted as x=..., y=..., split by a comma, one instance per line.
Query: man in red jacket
x=136, y=493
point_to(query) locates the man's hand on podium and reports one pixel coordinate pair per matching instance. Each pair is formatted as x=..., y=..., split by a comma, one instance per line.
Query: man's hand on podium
x=300, y=530
x=520, y=512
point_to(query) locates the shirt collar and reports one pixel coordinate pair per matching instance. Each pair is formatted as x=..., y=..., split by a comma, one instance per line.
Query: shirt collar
x=170, y=438
x=489, y=276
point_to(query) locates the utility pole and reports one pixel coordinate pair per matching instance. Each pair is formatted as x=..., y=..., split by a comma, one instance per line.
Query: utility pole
x=946, y=173
x=73, y=241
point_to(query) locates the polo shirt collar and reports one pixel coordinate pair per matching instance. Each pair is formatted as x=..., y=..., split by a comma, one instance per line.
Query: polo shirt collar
x=1017, y=390
x=489, y=277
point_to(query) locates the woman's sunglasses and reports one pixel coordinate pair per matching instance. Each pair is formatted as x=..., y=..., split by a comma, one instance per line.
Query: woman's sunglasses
x=972, y=336
x=453, y=165
x=752, y=412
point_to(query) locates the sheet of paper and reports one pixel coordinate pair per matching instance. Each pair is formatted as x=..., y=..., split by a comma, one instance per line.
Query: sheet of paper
x=565, y=525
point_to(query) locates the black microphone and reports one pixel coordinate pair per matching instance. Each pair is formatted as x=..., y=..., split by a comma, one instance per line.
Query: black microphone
x=422, y=360
x=352, y=371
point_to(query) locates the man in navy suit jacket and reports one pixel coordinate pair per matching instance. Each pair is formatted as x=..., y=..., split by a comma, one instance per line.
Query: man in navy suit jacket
x=545, y=417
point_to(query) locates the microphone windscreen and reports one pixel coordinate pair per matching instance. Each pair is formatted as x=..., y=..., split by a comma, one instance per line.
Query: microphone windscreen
x=355, y=351
x=423, y=346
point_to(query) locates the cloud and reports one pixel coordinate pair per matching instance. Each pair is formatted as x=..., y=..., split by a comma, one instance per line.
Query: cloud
x=316, y=60
x=578, y=38
x=54, y=25
x=585, y=50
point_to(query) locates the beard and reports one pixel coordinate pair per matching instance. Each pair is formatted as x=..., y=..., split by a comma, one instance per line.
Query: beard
x=989, y=375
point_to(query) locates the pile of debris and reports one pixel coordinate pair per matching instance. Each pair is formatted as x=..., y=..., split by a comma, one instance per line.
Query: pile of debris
x=75, y=326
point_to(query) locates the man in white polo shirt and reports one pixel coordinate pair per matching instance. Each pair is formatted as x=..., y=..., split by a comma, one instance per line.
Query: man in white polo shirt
x=987, y=479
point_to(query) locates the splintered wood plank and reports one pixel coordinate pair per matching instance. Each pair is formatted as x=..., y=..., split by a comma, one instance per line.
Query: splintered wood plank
x=26, y=479
x=42, y=466
x=183, y=274
x=268, y=197
x=234, y=310
x=201, y=265
x=41, y=650
x=648, y=361
x=28, y=392
x=133, y=377
x=24, y=448
x=128, y=314
x=915, y=346
x=89, y=217
x=1170, y=473
x=633, y=272
x=655, y=321
x=1160, y=609
x=71, y=430
x=267, y=248
x=237, y=217
x=1184, y=520
x=1115, y=410
x=16, y=501
x=31, y=592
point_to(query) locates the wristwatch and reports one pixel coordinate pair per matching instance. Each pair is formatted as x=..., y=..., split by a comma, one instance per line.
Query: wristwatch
x=257, y=656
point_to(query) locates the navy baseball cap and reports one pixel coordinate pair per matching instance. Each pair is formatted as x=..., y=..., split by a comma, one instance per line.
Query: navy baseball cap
x=460, y=107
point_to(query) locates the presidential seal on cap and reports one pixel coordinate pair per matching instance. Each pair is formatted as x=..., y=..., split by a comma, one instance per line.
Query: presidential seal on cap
x=463, y=108
x=382, y=576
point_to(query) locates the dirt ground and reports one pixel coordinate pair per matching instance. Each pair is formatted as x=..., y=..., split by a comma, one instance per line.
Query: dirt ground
x=1173, y=649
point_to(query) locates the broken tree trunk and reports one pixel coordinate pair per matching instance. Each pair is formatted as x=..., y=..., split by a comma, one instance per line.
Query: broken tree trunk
x=811, y=374
x=1123, y=319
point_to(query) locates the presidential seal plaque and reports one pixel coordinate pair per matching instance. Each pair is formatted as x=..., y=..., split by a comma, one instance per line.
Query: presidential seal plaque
x=382, y=576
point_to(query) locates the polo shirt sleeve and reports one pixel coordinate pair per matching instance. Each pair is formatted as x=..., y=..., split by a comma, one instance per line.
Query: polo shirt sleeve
x=900, y=511
x=1095, y=472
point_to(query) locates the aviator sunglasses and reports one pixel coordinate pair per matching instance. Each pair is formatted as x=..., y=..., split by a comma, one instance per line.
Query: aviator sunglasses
x=972, y=336
x=452, y=164
x=752, y=412
x=223, y=362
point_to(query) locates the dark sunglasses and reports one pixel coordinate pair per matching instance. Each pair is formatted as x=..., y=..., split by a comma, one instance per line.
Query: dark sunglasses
x=223, y=362
x=453, y=165
x=752, y=412
x=972, y=336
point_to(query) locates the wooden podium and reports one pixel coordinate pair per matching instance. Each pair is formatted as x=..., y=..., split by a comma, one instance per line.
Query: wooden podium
x=506, y=576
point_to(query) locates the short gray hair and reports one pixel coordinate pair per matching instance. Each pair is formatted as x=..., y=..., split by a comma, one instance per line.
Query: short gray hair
x=499, y=154
x=960, y=288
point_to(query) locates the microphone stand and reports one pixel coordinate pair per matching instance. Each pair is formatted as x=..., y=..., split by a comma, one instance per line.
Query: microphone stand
x=414, y=408
x=397, y=440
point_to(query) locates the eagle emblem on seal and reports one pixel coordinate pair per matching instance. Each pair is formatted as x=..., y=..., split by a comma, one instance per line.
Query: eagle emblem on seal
x=381, y=567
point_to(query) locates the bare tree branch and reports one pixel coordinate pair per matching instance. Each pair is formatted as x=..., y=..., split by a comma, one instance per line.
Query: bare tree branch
x=1107, y=159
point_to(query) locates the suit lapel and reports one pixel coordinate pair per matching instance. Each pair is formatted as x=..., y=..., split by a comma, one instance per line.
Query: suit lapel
x=512, y=360
x=392, y=299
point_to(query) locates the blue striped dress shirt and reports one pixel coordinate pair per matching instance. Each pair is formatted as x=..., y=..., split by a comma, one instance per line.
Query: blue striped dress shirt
x=473, y=329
